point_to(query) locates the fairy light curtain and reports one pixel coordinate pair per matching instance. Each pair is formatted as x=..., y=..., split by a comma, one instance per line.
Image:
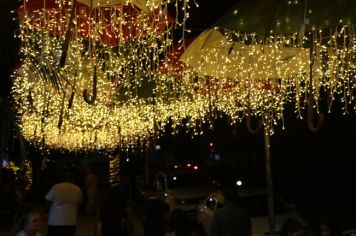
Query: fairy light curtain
x=89, y=72
x=262, y=55
x=114, y=170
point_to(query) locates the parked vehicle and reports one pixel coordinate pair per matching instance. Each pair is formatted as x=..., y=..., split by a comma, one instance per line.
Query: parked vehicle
x=254, y=201
x=183, y=188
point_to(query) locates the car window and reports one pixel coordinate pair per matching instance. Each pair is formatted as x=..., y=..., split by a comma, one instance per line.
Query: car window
x=210, y=203
x=256, y=205
x=189, y=179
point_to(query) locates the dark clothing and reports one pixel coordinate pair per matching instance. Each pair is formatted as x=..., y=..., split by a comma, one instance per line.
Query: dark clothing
x=67, y=230
x=113, y=217
x=179, y=222
x=111, y=228
x=155, y=211
x=231, y=220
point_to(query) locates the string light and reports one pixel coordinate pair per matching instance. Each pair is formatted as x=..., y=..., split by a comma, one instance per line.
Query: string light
x=108, y=94
x=119, y=88
x=114, y=170
x=27, y=171
x=12, y=166
x=28, y=174
x=249, y=75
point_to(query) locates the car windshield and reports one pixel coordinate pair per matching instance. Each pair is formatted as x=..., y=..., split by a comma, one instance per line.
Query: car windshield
x=188, y=179
x=257, y=206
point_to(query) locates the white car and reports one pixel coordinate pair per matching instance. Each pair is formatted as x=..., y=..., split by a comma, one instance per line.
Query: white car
x=254, y=201
x=183, y=188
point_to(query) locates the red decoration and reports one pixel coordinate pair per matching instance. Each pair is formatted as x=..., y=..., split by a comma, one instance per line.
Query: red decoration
x=111, y=23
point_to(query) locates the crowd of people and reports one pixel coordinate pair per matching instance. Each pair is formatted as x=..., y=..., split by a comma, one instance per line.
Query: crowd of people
x=117, y=215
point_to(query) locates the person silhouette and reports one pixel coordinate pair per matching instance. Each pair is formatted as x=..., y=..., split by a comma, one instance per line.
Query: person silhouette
x=63, y=199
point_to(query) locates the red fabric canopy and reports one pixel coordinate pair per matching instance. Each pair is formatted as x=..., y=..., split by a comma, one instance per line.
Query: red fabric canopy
x=108, y=24
x=172, y=60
